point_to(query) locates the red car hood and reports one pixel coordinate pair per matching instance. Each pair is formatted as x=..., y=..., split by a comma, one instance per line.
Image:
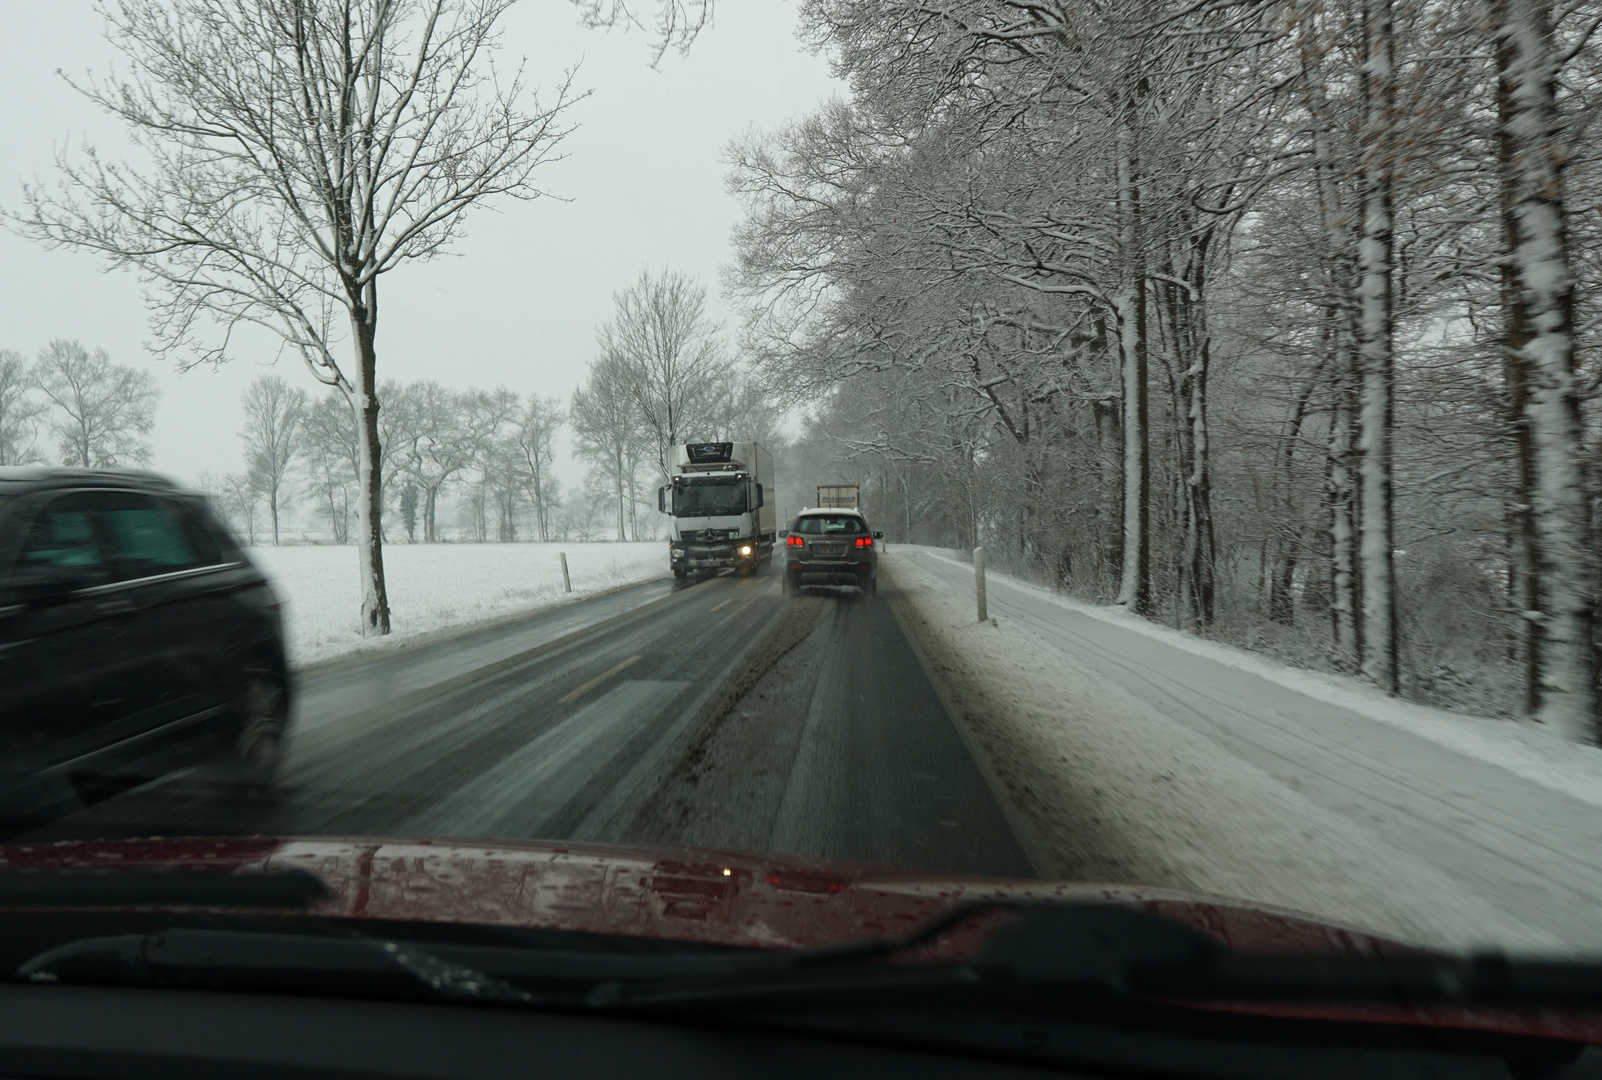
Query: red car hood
x=729, y=898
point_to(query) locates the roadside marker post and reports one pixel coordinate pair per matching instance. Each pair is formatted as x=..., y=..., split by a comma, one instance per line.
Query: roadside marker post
x=567, y=586
x=979, y=579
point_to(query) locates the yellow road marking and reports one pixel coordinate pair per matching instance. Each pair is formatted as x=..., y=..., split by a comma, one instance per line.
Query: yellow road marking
x=597, y=681
x=733, y=613
x=714, y=607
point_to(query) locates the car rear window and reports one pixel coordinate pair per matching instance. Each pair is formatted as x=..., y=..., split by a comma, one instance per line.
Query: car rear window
x=826, y=524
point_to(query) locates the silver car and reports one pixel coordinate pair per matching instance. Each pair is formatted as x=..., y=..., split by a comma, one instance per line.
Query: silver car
x=831, y=547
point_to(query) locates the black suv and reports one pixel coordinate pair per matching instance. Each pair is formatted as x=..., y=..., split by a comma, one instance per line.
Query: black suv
x=135, y=639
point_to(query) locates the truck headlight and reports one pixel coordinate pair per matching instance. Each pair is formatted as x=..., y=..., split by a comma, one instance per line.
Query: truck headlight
x=746, y=550
x=677, y=553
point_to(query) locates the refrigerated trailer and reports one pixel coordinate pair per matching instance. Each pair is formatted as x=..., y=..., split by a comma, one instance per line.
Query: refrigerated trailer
x=720, y=497
x=839, y=496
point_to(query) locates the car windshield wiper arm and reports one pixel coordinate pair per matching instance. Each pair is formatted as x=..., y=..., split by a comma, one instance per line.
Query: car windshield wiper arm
x=1051, y=951
x=1047, y=952
x=88, y=888
x=346, y=960
x=232, y=959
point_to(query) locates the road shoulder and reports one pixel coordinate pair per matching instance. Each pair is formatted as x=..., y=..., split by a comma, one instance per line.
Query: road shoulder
x=1118, y=793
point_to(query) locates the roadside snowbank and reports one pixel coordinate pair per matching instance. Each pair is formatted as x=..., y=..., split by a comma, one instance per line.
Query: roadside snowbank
x=1118, y=792
x=1529, y=750
x=438, y=587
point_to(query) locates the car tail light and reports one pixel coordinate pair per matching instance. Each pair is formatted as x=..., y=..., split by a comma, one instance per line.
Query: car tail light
x=795, y=541
x=865, y=541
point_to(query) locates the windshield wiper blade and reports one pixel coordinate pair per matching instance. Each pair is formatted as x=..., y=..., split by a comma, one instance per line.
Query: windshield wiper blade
x=348, y=961
x=1088, y=948
x=246, y=960
x=1051, y=952
x=1047, y=954
x=115, y=888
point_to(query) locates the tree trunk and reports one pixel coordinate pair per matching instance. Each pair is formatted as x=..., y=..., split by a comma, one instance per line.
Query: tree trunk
x=1375, y=407
x=618, y=477
x=1543, y=313
x=370, y=503
x=272, y=496
x=539, y=504
x=1134, y=589
x=1338, y=311
x=1524, y=587
x=1344, y=604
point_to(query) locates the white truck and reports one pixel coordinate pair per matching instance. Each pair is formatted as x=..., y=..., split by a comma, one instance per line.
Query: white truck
x=722, y=517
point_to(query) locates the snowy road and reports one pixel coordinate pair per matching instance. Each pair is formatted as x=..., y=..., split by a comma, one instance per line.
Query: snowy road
x=718, y=714
x=1528, y=857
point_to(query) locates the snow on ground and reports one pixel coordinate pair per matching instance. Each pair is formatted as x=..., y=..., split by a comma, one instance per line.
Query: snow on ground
x=438, y=587
x=1138, y=758
x=1532, y=751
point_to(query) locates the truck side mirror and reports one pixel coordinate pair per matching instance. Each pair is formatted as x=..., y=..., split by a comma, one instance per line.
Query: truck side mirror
x=761, y=496
x=661, y=500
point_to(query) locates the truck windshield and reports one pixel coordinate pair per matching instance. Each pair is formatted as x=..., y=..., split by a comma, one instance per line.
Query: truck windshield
x=708, y=498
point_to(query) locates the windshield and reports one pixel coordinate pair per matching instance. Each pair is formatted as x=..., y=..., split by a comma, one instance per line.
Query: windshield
x=708, y=498
x=1169, y=440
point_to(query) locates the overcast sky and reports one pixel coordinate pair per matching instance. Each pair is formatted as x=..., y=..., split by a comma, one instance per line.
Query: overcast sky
x=518, y=302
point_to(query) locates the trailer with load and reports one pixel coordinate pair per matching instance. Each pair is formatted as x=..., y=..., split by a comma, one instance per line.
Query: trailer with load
x=717, y=494
x=839, y=497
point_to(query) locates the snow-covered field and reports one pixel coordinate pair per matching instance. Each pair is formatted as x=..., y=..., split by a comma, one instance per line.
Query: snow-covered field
x=1142, y=756
x=436, y=588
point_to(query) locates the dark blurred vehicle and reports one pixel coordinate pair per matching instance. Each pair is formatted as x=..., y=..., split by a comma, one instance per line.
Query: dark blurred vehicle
x=135, y=639
x=425, y=957
x=831, y=547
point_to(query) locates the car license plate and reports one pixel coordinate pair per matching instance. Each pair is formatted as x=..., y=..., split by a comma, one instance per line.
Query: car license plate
x=828, y=551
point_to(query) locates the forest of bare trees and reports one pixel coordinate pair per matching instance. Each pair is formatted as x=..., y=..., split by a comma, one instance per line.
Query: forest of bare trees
x=490, y=453
x=74, y=407
x=1273, y=320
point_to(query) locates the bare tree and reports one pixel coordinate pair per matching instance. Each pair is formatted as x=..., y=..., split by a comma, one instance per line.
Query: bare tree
x=607, y=432
x=329, y=458
x=439, y=434
x=298, y=151
x=100, y=412
x=19, y=414
x=668, y=358
x=1539, y=350
x=535, y=431
x=273, y=417
x=676, y=25
x=238, y=503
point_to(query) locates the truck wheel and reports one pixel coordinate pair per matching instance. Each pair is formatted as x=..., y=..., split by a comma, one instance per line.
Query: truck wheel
x=678, y=572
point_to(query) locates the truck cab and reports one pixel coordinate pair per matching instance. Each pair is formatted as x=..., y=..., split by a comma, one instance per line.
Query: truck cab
x=721, y=519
